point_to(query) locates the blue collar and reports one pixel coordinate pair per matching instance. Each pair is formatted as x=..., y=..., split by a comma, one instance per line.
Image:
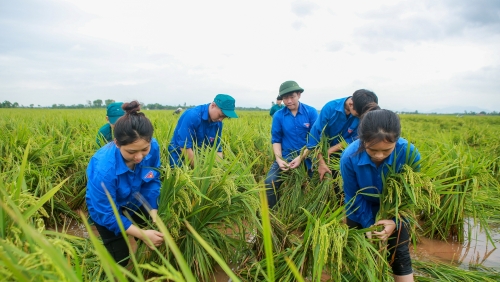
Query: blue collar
x=299, y=111
x=365, y=159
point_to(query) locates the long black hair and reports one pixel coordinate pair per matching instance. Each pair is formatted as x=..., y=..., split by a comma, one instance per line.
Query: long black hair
x=378, y=125
x=134, y=125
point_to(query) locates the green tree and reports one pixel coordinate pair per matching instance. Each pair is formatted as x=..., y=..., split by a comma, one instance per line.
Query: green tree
x=6, y=104
x=97, y=103
x=108, y=101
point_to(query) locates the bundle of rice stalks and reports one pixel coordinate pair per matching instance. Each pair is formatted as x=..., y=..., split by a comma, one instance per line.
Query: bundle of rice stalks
x=218, y=199
x=300, y=191
x=406, y=194
x=327, y=248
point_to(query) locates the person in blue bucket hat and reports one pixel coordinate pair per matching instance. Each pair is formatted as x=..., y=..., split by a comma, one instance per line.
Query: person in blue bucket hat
x=200, y=126
x=114, y=111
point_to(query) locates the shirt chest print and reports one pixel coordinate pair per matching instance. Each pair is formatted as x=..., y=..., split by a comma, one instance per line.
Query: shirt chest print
x=306, y=125
x=211, y=139
x=349, y=130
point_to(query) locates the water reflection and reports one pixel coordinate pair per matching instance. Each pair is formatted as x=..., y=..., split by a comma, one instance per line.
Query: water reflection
x=476, y=250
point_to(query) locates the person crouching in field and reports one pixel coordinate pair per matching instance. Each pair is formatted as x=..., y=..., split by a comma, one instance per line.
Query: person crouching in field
x=364, y=164
x=114, y=111
x=289, y=132
x=338, y=120
x=200, y=126
x=276, y=107
x=127, y=170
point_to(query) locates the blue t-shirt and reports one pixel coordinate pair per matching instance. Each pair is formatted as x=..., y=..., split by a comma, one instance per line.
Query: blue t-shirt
x=194, y=127
x=359, y=171
x=292, y=131
x=335, y=123
x=107, y=168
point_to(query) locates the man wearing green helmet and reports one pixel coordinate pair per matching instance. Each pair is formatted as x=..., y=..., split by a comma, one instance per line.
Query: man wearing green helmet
x=289, y=133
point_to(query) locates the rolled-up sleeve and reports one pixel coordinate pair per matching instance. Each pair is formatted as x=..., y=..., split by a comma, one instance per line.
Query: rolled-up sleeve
x=357, y=208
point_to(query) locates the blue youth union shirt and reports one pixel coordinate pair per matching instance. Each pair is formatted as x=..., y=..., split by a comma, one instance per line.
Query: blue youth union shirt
x=292, y=131
x=359, y=171
x=107, y=168
x=195, y=127
x=335, y=123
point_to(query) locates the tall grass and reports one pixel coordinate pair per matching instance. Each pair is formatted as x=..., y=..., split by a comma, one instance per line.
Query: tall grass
x=213, y=210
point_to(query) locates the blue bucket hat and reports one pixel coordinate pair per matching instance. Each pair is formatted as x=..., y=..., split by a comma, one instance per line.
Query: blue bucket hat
x=114, y=112
x=227, y=104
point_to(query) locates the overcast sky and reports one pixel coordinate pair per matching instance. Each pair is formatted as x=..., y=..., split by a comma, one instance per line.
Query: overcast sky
x=415, y=55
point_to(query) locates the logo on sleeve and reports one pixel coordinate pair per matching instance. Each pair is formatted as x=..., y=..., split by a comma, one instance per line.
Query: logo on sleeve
x=149, y=175
x=211, y=139
x=306, y=125
x=349, y=130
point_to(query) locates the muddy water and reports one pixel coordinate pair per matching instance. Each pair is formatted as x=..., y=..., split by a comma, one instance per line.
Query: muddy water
x=476, y=251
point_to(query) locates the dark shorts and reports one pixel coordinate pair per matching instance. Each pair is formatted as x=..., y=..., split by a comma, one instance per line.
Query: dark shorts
x=116, y=244
x=398, y=245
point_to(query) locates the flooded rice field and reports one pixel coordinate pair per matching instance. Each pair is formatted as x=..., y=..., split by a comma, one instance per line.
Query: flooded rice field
x=477, y=250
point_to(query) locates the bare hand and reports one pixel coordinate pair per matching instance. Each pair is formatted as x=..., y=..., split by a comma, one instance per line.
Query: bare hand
x=323, y=169
x=295, y=162
x=155, y=237
x=283, y=165
x=389, y=226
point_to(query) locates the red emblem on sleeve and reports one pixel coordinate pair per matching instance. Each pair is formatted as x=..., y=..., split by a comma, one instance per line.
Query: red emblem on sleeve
x=149, y=175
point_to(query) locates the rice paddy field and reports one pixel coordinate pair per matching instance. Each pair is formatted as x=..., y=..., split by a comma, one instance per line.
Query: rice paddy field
x=215, y=217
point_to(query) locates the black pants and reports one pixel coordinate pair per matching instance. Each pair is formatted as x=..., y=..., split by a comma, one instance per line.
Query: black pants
x=399, y=251
x=116, y=244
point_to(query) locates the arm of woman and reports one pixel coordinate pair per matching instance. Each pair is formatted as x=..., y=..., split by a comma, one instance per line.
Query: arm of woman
x=101, y=210
x=152, y=238
x=358, y=209
x=150, y=189
x=389, y=227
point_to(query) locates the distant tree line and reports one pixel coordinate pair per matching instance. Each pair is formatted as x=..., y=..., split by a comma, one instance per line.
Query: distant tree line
x=103, y=104
x=156, y=106
x=471, y=113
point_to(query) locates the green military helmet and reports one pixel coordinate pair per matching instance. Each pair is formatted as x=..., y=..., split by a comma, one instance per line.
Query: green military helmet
x=289, y=86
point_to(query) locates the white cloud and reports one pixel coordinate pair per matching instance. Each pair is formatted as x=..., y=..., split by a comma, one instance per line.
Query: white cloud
x=411, y=53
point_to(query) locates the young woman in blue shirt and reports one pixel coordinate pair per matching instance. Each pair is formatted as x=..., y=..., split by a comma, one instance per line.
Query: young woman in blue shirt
x=362, y=166
x=127, y=170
